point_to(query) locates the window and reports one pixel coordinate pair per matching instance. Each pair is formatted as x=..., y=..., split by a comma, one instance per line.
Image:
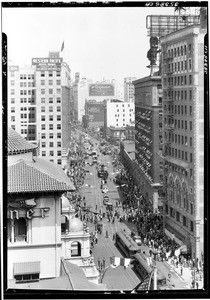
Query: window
x=186, y=156
x=50, y=117
x=185, y=125
x=59, y=153
x=50, y=108
x=50, y=74
x=75, y=249
x=191, y=157
x=50, y=91
x=42, y=91
x=43, y=136
x=58, y=144
x=190, y=64
x=58, y=100
x=58, y=74
x=189, y=48
x=43, y=144
x=51, y=135
x=58, y=117
x=178, y=216
x=42, y=118
x=12, y=118
x=42, y=73
x=58, y=126
x=42, y=100
x=43, y=153
x=50, y=82
x=191, y=209
x=191, y=226
x=50, y=126
x=185, y=49
x=42, y=82
x=51, y=153
x=58, y=91
x=190, y=79
x=51, y=144
x=184, y=221
x=58, y=108
x=43, y=109
x=12, y=109
x=58, y=135
x=58, y=82
x=43, y=126
x=190, y=142
x=190, y=95
x=50, y=100
x=191, y=126
x=59, y=161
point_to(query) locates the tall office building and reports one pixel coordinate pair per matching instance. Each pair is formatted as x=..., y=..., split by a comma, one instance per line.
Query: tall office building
x=129, y=94
x=39, y=104
x=148, y=140
x=183, y=124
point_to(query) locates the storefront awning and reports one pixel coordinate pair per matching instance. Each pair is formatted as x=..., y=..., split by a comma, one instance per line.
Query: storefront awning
x=22, y=268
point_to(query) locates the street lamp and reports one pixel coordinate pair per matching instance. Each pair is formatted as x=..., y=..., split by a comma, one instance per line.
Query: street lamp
x=154, y=253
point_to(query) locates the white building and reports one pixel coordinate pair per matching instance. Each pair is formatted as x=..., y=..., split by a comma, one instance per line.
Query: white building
x=39, y=104
x=119, y=114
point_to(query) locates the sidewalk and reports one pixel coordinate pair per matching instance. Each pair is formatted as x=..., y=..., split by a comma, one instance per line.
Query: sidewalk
x=187, y=275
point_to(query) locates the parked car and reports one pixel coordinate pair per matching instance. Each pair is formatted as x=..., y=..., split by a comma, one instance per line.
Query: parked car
x=105, y=199
x=105, y=190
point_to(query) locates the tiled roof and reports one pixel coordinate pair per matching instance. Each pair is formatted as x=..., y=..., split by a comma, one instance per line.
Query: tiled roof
x=37, y=176
x=17, y=144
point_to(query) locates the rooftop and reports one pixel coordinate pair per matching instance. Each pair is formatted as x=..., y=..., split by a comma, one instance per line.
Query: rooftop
x=38, y=175
x=16, y=144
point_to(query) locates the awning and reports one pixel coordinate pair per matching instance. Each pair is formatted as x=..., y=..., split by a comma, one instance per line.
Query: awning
x=22, y=268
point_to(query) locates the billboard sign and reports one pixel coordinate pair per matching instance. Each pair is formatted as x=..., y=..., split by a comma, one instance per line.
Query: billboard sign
x=47, y=63
x=101, y=90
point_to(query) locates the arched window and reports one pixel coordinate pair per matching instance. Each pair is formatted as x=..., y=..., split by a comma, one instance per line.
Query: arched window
x=20, y=230
x=178, y=192
x=185, y=196
x=171, y=189
x=75, y=249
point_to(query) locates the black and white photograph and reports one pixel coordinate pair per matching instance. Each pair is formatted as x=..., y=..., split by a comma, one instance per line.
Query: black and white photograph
x=104, y=137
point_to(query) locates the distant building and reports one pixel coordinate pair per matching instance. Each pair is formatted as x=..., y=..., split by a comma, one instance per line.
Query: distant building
x=148, y=139
x=118, y=115
x=39, y=104
x=129, y=92
x=183, y=124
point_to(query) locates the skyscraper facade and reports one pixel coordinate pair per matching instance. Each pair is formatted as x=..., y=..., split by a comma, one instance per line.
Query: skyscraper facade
x=183, y=125
x=129, y=89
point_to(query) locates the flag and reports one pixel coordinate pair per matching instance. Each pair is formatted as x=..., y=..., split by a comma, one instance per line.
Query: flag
x=144, y=285
x=62, y=47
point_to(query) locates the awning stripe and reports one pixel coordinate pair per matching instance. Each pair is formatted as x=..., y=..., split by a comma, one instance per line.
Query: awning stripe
x=22, y=268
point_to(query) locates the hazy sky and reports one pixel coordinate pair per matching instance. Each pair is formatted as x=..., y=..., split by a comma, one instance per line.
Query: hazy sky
x=100, y=42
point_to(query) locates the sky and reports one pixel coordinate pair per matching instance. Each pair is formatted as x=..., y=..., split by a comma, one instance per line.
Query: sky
x=100, y=43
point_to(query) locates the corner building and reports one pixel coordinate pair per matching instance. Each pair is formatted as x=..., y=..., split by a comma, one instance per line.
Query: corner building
x=183, y=125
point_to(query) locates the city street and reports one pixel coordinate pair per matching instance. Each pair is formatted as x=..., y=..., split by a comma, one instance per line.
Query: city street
x=114, y=278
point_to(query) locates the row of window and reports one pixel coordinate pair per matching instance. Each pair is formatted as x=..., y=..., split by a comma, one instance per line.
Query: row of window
x=177, y=153
x=178, y=80
x=51, y=135
x=43, y=109
x=179, y=95
x=117, y=115
x=179, y=109
x=51, y=126
x=23, y=84
x=51, y=153
x=180, y=139
x=50, y=73
x=178, y=124
x=51, y=144
x=51, y=100
x=26, y=76
x=51, y=118
x=178, y=66
x=180, y=51
x=50, y=82
x=50, y=91
x=122, y=105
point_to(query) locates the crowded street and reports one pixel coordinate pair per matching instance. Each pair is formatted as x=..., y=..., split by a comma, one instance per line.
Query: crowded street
x=130, y=214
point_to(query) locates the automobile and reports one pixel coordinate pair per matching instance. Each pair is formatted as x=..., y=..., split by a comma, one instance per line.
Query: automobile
x=105, y=199
x=105, y=190
x=95, y=159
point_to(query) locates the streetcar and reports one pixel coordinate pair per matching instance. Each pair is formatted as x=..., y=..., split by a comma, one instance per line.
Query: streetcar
x=142, y=268
x=126, y=244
